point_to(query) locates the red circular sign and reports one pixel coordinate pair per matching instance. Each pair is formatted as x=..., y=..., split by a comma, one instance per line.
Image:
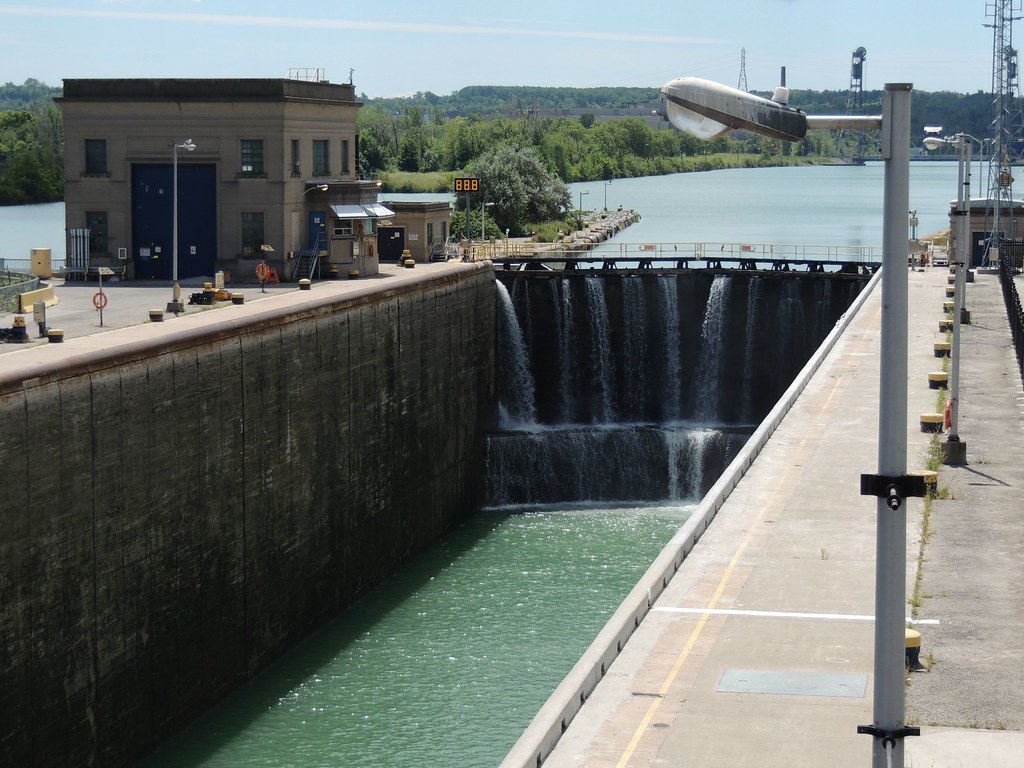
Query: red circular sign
x=99, y=299
x=262, y=272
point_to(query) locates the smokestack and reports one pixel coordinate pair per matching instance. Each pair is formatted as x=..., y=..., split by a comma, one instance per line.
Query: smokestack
x=781, y=95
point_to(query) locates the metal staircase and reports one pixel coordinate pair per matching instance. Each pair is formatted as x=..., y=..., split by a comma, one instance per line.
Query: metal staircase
x=308, y=261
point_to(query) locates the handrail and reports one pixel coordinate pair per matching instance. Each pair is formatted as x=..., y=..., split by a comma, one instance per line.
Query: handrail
x=1014, y=312
x=691, y=251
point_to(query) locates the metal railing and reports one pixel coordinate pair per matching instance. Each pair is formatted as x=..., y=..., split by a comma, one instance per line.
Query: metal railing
x=745, y=255
x=1010, y=257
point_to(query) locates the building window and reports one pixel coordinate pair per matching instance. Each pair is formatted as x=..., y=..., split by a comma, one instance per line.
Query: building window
x=444, y=231
x=321, y=165
x=252, y=233
x=96, y=156
x=252, y=157
x=343, y=227
x=344, y=156
x=96, y=222
x=295, y=158
x=430, y=233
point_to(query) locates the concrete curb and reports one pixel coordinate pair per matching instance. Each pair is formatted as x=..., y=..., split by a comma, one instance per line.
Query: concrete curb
x=553, y=718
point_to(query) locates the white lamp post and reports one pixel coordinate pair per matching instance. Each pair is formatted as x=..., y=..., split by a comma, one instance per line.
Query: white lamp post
x=606, y=193
x=707, y=110
x=175, y=305
x=954, y=450
x=483, y=229
x=581, y=208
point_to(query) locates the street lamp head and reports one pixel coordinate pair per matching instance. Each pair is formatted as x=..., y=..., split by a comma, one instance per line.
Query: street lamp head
x=706, y=110
x=932, y=143
x=189, y=145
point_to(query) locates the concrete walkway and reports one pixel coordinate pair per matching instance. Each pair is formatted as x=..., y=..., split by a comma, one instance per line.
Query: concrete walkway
x=759, y=652
x=129, y=303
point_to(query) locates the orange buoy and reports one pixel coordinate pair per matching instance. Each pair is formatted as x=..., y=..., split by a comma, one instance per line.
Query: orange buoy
x=947, y=418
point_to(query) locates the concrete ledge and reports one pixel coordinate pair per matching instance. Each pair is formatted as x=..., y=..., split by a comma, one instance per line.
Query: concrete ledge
x=27, y=299
x=547, y=726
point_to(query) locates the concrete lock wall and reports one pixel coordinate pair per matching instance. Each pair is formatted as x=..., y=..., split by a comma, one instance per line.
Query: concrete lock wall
x=175, y=518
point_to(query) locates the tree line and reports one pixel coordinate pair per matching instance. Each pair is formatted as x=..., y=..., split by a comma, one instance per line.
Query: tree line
x=31, y=144
x=443, y=135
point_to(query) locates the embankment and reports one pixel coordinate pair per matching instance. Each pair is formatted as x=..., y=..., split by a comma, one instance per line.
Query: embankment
x=181, y=508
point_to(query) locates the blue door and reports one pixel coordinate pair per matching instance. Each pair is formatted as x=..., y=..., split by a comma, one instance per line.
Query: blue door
x=316, y=236
x=153, y=214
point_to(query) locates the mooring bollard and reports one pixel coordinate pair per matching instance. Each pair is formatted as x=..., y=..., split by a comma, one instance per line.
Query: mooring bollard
x=55, y=335
x=305, y=284
x=912, y=651
x=156, y=315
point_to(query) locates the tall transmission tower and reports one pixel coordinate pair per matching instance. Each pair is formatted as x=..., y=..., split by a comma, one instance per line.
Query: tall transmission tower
x=1007, y=125
x=743, y=70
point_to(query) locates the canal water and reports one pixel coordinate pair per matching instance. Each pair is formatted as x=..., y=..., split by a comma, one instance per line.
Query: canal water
x=447, y=663
x=811, y=205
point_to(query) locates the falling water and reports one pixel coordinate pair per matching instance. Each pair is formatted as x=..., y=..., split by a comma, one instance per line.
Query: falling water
x=670, y=324
x=516, y=392
x=601, y=352
x=634, y=342
x=754, y=322
x=792, y=318
x=711, y=346
x=566, y=342
x=686, y=456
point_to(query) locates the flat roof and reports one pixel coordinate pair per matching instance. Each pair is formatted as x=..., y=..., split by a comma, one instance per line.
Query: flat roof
x=206, y=89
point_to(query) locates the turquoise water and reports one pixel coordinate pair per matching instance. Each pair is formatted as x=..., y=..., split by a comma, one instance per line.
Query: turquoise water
x=447, y=663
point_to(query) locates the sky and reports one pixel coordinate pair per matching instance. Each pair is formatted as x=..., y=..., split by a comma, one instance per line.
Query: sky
x=401, y=47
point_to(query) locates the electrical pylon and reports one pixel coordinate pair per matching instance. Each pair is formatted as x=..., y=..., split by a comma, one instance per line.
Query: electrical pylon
x=1006, y=127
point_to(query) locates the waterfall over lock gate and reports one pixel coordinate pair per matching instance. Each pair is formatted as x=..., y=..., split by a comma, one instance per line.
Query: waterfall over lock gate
x=642, y=387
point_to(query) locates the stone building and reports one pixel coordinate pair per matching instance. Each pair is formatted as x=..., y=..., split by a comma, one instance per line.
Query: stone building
x=265, y=170
x=980, y=217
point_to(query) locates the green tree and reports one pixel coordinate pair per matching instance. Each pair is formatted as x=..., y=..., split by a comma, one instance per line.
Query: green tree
x=31, y=155
x=523, y=190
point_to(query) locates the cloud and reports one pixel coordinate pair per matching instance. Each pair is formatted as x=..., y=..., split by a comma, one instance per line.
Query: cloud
x=350, y=24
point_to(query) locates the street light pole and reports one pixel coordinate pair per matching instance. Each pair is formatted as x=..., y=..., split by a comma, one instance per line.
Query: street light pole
x=581, y=208
x=174, y=305
x=483, y=221
x=954, y=450
x=606, y=193
x=708, y=110
x=889, y=725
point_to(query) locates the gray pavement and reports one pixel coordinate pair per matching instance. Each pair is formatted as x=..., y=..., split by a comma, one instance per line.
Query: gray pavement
x=973, y=567
x=129, y=303
x=759, y=651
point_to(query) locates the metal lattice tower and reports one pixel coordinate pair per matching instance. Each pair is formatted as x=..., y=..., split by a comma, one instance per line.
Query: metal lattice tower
x=855, y=101
x=743, y=70
x=1006, y=125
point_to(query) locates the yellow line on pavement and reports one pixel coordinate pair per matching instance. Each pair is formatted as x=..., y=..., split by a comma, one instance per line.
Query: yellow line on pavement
x=634, y=742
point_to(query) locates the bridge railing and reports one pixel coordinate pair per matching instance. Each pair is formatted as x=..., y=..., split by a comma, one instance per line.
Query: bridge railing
x=622, y=255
